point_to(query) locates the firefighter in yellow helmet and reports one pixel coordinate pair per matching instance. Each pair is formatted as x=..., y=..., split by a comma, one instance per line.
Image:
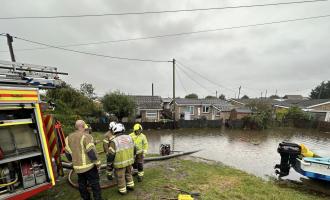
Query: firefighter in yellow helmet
x=80, y=150
x=141, y=143
x=121, y=154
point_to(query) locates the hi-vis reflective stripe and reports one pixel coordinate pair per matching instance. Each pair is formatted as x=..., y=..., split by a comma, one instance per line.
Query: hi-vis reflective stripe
x=18, y=95
x=106, y=141
x=140, y=173
x=51, y=136
x=112, y=150
x=83, y=154
x=67, y=148
x=122, y=190
x=124, y=162
x=130, y=184
x=45, y=146
x=89, y=146
x=83, y=166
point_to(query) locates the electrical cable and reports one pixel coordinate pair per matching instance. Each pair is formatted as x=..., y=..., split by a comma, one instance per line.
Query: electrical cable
x=204, y=77
x=160, y=12
x=181, y=82
x=198, y=83
x=182, y=33
x=89, y=53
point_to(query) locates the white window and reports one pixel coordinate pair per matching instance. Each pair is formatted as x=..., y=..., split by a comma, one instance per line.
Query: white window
x=206, y=109
x=151, y=114
x=190, y=109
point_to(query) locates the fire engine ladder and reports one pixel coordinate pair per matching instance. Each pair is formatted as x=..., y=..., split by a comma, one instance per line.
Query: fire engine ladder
x=23, y=74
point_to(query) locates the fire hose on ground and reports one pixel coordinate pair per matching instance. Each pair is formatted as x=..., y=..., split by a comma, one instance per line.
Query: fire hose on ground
x=68, y=165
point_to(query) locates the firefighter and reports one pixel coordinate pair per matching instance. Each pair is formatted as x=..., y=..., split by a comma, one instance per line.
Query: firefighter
x=141, y=143
x=121, y=154
x=108, y=136
x=80, y=150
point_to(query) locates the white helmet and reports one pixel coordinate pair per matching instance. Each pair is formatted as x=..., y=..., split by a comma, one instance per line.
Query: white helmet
x=118, y=128
x=112, y=125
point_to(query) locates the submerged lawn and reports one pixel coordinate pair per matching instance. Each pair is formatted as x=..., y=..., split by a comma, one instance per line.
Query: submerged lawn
x=212, y=180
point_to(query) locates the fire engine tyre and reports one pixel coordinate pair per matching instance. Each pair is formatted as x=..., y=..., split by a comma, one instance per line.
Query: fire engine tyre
x=75, y=185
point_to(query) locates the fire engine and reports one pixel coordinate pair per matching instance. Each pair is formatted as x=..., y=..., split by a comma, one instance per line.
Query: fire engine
x=29, y=142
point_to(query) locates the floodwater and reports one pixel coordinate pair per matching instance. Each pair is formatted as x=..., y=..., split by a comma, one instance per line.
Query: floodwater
x=252, y=151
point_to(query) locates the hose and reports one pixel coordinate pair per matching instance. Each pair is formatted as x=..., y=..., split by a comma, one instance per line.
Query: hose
x=75, y=185
x=10, y=183
x=112, y=184
x=68, y=165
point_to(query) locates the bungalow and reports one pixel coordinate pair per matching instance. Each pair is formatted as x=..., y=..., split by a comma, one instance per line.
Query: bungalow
x=210, y=109
x=148, y=108
x=319, y=108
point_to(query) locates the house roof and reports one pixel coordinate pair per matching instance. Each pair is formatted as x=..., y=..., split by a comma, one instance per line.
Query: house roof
x=302, y=103
x=247, y=101
x=219, y=104
x=148, y=102
x=167, y=100
x=288, y=96
x=183, y=101
x=243, y=110
x=313, y=102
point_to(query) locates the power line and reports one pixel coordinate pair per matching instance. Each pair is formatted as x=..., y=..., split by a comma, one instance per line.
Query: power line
x=160, y=12
x=198, y=83
x=204, y=77
x=181, y=82
x=183, y=33
x=92, y=54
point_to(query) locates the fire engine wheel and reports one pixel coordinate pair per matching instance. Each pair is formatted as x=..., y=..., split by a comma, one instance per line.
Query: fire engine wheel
x=75, y=185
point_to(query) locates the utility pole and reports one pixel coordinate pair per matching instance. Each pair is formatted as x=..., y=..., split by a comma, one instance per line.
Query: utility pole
x=152, y=89
x=239, y=91
x=10, y=45
x=261, y=95
x=216, y=94
x=266, y=95
x=174, y=107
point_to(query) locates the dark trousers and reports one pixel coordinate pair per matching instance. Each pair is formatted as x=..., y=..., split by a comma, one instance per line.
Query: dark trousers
x=92, y=179
x=138, y=163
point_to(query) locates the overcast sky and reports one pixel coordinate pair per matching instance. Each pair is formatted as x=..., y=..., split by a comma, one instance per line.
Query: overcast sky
x=291, y=58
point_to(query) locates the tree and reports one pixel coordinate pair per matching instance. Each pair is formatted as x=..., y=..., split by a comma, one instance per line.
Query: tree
x=88, y=90
x=191, y=96
x=210, y=97
x=245, y=97
x=295, y=113
x=274, y=97
x=71, y=105
x=321, y=91
x=118, y=104
x=222, y=96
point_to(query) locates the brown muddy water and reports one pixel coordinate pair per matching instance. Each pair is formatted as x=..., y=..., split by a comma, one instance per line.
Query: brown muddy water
x=251, y=151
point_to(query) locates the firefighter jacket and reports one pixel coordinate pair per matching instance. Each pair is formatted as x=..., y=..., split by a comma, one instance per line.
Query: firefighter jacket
x=122, y=151
x=140, y=142
x=81, y=147
x=108, y=136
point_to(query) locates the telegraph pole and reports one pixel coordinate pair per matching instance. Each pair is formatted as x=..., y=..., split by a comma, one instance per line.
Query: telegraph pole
x=174, y=107
x=239, y=91
x=152, y=89
x=10, y=45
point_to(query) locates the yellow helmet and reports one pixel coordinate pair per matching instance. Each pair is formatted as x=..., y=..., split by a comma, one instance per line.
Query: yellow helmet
x=137, y=127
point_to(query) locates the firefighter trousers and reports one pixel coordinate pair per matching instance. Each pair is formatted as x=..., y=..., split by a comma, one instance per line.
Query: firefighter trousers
x=124, y=178
x=138, y=164
x=90, y=178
